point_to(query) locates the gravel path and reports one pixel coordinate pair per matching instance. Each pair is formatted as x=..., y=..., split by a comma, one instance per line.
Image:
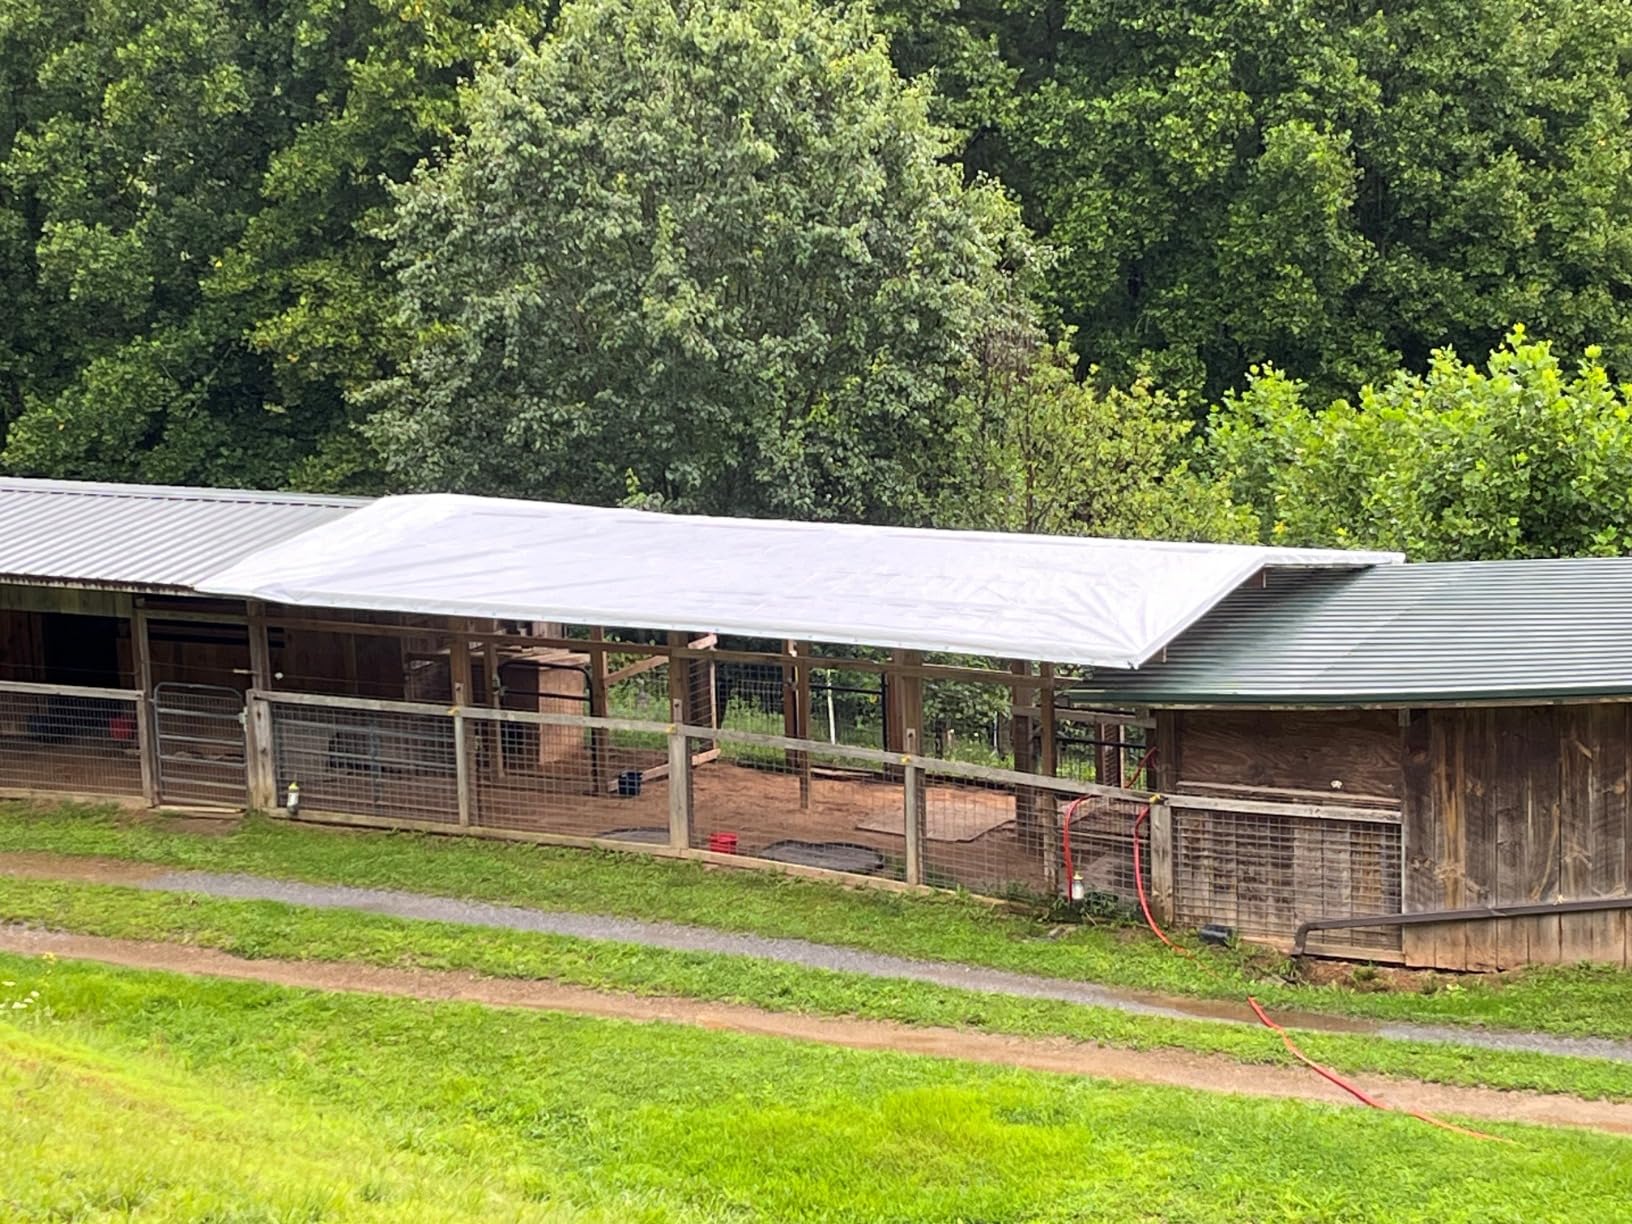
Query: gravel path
x=401, y=904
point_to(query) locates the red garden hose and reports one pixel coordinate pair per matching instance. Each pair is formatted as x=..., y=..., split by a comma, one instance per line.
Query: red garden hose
x=1286, y=1038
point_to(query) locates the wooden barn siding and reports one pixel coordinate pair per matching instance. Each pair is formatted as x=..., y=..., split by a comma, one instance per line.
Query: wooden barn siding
x=1278, y=750
x=1264, y=874
x=1513, y=805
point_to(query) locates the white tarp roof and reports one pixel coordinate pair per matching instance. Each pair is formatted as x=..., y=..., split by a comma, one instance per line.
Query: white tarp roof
x=1109, y=603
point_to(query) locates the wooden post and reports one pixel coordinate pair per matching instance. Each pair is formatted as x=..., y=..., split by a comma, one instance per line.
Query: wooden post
x=258, y=753
x=1028, y=823
x=1044, y=803
x=796, y=713
x=680, y=793
x=597, y=709
x=258, y=749
x=459, y=674
x=461, y=769
x=141, y=658
x=913, y=811
x=679, y=678
x=1048, y=762
x=460, y=680
x=1161, y=863
x=494, y=731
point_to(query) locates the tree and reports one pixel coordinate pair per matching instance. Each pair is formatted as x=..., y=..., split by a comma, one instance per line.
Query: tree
x=1333, y=189
x=1064, y=457
x=1519, y=459
x=702, y=252
x=186, y=194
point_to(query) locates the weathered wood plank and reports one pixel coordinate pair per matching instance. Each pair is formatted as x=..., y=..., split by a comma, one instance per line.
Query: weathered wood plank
x=1542, y=799
x=1328, y=751
x=1512, y=936
x=1480, y=766
x=1419, y=821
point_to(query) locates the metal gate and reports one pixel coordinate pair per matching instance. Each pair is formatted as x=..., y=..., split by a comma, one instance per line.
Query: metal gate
x=199, y=730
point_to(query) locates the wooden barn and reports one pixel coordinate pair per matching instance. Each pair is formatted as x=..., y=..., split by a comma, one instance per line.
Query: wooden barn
x=1480, y=709
x=1417, y=763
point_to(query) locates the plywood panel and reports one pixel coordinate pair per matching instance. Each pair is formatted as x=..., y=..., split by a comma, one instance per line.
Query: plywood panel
x=1294, y=749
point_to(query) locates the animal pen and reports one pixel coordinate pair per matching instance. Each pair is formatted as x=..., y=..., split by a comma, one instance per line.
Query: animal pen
x=891, y=708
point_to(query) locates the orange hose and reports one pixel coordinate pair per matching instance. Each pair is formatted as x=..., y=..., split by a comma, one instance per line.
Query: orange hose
x=1286, y=1038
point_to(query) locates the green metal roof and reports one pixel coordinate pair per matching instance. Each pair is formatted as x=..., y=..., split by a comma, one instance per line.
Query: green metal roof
x=1462, y=631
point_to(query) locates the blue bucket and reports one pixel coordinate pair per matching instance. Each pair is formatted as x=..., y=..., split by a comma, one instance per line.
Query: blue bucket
x=629, y=783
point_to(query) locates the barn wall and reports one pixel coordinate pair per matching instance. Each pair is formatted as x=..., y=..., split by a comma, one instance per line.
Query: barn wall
x=1264, y=873
x=1515, y=805
x=1270, y=752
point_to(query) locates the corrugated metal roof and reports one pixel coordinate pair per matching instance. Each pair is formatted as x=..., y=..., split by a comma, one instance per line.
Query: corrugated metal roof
x=147, y=537
x=1481, y=630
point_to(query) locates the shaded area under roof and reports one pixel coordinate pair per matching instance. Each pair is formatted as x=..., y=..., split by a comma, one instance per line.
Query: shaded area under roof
x=1110, y=603
x=1478, y=630
x=143, y=537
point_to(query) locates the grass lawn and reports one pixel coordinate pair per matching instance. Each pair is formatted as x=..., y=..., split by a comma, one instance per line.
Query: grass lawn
x=139, y=1094
x=259, y=929
x=1571, y=1000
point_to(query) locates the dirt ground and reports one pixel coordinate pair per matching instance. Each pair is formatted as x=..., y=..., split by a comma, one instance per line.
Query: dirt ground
x=1056, y=1055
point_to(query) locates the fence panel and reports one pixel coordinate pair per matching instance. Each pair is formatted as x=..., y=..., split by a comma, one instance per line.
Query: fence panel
x=367, y=762
x=67, y=740
x=199, y=730
x=1264, y=874
x=799, y=802
x=1099, y=830
x=569, y=778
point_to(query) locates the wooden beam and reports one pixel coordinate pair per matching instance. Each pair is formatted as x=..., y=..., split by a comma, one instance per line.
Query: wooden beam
x=680, y=792
x=598, y=683
x=1161, y=863
x=147, y=743
x=912, y=798
x=1310, y=811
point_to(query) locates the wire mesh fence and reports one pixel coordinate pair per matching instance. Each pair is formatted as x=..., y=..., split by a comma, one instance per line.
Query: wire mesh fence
x=1265, y=874
x=68, y=740
x=989, y=836
x=579, y=778
x=799, y=802
x=367, y=762
x=790, y=800
x=1097, y=837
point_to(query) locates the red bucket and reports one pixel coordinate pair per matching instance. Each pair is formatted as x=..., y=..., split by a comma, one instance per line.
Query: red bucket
x=722, y=843
x=121, y=728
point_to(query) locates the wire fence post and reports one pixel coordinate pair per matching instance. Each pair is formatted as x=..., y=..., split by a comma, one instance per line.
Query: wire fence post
x=461, y=767
x=679, y=784
x=1161, y=862
x=912, y=795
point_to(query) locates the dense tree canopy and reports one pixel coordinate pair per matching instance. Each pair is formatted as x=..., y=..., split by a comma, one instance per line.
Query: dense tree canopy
x=1333, y=188
x=1522, y=458
x=707, y=251
x=750, y=256
x=186, y=189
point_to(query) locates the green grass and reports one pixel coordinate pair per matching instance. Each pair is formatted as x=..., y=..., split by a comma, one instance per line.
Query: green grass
x=1581, y=1000
x=86, y=1136
x=141, y=1094
x=271, y=930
